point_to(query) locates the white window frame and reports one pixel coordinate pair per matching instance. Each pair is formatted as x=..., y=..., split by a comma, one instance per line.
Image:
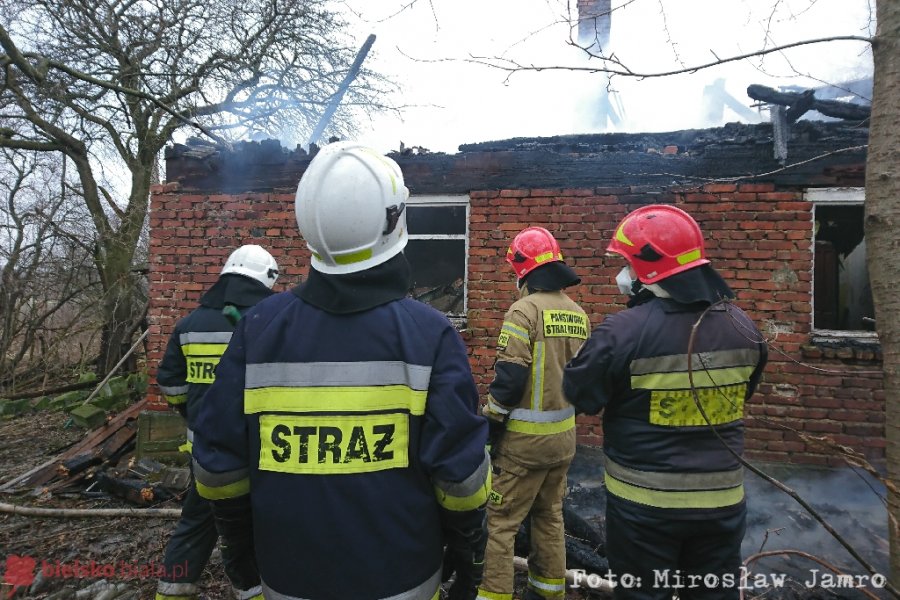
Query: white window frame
x=448, y=200
x=837, y=196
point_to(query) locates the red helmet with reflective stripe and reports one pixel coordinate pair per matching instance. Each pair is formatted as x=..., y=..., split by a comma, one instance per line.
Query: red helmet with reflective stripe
x=659, y=241
x=533, y=247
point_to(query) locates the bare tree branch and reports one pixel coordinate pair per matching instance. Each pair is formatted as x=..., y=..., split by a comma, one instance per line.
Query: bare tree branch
x=613, y=65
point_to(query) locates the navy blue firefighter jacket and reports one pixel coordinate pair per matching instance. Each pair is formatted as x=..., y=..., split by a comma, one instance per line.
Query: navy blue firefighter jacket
x=353, y=434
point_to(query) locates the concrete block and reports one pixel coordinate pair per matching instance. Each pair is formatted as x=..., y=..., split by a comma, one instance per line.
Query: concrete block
x=160, y=434
x=88, y=416
x=68, y=400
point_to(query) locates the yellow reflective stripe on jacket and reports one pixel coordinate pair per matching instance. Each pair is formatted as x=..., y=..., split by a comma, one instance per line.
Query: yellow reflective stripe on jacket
x=335, y=399
x=541, y=422
x=469, y=494
x=720, y=380
x=675, y=490
x=537, y=376
x=703, y=378
x=175, y=394
x=198, y=350
x=221, y=486
x=179, y=399
x=716, y=359
x=231, y=490
x=548, y=587
x=673, y=369
x=513, y=330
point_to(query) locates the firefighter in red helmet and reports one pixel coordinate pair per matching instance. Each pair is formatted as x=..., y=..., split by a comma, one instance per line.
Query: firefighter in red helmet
x=532, y=426
x=675, y=495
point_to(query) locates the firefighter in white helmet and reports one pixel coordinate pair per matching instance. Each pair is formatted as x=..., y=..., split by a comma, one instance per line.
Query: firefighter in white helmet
x=674, y=482
x=532, y=425
x=344, y=436
x=184, y=375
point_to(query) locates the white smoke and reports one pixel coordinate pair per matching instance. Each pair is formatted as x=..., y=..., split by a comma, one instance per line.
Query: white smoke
x=448, y=103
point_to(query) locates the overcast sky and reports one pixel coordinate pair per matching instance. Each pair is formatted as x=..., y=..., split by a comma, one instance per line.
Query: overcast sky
x=451, y=102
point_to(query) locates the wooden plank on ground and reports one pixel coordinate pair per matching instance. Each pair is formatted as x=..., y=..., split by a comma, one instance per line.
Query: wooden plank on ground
x=96, y=438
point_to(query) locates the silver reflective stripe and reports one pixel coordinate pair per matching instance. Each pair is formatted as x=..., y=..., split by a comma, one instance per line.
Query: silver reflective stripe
x=205, y=337
x=218, y=479
x=497, y=408
x=167, y=588
x=676, y=482
x=548, y=587
x=542, y=416
x=425, y=591
x=471, y=484
x=248, y=594
x=174, y=390
x=190, y=435
x=516, y=331
x=338, y=374
x=718, y=359
x=537, y=376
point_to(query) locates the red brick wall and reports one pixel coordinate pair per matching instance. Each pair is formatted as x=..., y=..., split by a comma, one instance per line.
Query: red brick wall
x=759, y=239
x=191, y=235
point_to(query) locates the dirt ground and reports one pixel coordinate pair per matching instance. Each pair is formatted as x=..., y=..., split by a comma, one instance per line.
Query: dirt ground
x=125, y=547
x=129, y=548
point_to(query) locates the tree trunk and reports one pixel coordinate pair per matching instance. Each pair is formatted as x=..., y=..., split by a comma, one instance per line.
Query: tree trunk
x=882, y=228
x=121, y=309
x=123, y=305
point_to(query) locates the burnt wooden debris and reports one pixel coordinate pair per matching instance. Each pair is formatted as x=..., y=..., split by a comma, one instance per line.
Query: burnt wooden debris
x=103, y=445
x=822, y=154
x=799, y=103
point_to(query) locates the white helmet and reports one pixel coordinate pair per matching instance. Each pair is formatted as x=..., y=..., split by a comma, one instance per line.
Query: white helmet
x=350, y=208
x=254, y=262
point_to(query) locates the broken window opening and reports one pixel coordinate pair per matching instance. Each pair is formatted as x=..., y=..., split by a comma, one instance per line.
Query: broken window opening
x=438, y=252
x=842, y=298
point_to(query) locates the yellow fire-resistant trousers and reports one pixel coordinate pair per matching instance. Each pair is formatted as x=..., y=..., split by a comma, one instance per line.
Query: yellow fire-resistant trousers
x=515, y=491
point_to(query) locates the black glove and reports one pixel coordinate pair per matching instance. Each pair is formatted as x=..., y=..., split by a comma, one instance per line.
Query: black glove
x=495, y=433
x=234, y=523
x=466, y=536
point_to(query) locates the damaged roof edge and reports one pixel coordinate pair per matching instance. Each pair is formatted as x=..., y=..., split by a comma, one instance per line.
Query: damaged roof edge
x=820, y=154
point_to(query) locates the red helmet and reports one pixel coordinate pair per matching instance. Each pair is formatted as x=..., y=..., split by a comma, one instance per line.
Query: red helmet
x=533, y=247
x=659, y=241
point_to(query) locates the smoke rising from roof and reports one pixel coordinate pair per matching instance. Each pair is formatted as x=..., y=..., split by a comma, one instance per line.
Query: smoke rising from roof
x=450, y=102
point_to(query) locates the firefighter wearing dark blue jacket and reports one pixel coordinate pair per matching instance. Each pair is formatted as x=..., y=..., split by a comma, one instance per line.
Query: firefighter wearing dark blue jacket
x=672, y=421
x=184, y=375
x=341, y=436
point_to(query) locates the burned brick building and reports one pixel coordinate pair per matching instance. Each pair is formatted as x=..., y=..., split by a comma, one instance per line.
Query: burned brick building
x=787, y=234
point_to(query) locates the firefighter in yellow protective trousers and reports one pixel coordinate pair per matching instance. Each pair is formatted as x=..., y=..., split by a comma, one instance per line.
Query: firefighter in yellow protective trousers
x=532, y=425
